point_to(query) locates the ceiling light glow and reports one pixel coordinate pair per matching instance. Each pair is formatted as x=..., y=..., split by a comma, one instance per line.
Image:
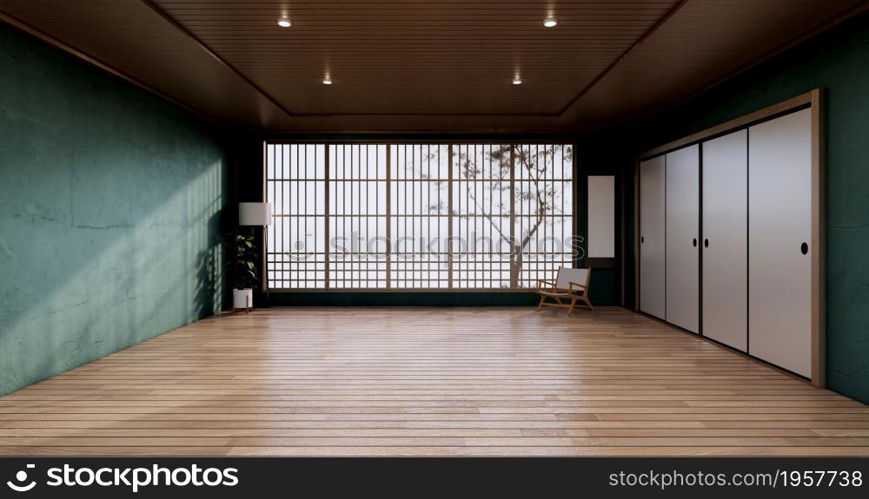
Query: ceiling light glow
x=327, y=81
x=550, y=22
x=517, y=81
x=284, y=22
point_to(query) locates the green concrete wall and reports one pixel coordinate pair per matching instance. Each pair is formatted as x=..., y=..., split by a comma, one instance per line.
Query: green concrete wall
x=109, y=207
x=838, y=62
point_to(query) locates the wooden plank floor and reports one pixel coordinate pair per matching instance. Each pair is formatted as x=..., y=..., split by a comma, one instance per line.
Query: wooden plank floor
x=429, y=382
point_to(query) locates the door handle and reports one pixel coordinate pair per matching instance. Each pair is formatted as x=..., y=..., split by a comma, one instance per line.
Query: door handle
x=804, y=248
x=706, y=243
x=642, y=239
x=694, y=242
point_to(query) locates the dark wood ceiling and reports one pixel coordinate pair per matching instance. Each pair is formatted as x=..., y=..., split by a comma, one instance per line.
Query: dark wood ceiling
x=425, y=65
x=419, y=56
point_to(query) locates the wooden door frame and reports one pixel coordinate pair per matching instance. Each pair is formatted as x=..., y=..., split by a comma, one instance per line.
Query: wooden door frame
x=810, y=100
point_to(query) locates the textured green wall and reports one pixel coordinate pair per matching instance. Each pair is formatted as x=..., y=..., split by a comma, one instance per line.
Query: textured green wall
x=838, y=62
x=109, y=204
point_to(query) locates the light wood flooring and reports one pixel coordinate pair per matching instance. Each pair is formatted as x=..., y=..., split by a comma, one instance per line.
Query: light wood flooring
x=429, y=382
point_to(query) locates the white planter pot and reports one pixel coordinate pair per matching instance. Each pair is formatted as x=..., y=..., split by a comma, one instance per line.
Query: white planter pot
x=242, y=298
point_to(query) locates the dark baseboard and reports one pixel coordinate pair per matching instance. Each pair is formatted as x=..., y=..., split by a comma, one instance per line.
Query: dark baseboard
x=415, y=298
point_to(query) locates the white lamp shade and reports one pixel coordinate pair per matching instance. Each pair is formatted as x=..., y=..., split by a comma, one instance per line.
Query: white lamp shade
x=258, y=214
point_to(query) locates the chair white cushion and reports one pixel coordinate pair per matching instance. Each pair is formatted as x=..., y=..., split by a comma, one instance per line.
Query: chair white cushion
x=567, y=275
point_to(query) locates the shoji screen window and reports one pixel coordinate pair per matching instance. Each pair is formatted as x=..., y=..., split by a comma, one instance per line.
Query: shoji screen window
x=419, y=221
x=296, y=187
x=358, y=250
x=445, y=216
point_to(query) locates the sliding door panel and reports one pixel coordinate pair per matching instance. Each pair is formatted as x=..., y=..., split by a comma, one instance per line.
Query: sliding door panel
x=652, y=237
x=683, y=233
x=780, y=252
x=725, y=252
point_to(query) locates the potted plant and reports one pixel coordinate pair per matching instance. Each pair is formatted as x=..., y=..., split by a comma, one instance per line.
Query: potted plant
x=243, y=270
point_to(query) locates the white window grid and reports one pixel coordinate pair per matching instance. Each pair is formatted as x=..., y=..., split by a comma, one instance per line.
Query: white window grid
x=418, y=216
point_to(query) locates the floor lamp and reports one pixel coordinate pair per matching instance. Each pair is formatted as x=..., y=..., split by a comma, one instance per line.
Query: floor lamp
x=258, y=215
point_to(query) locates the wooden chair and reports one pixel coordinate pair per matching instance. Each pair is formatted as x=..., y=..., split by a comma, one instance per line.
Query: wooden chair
x=570, y=285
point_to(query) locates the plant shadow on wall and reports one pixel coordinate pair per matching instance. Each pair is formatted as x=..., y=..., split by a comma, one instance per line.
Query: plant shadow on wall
x=209, y=294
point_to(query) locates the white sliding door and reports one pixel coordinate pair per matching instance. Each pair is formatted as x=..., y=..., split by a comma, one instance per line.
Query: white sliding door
x=725, y=231
x=652, y=237
x=780, y=236
x=683, y=238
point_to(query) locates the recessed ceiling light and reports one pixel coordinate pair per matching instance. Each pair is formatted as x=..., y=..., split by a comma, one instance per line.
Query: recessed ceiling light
x=550, y=22
x=517, y=81
x=284, y=22
x=327, y=81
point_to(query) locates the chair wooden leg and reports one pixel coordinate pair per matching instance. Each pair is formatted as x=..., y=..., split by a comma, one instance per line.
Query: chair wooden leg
x=588, y=303
x=540, y=305
x=570, y=309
